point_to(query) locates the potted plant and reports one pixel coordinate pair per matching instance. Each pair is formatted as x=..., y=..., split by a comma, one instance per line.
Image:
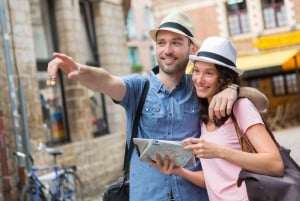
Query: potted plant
x=136, y=68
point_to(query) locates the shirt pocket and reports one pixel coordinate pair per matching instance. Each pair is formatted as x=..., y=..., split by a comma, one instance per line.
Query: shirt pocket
x=189, y=118
x=152, y=116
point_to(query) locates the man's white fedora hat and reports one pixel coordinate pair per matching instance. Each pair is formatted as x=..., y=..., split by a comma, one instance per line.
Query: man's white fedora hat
x=217, y=50
x=176, y=22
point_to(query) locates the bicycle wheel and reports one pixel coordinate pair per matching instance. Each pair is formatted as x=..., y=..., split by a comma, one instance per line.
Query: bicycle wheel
x=29, y=193
x=70, y=187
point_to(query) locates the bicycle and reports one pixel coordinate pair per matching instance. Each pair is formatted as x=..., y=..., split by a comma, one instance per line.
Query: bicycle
x=64, y=185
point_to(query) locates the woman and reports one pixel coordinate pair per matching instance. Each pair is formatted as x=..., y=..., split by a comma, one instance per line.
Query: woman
x=218, y=147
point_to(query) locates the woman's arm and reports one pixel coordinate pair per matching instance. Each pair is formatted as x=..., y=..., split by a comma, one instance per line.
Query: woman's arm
x=266, y=161
x=195, y=177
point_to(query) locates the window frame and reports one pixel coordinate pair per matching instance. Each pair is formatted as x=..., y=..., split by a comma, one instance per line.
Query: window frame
x=277, y=8
x=42, y=63
x=285, y=86
x=242, y=24
x=86, y=8
x=130, y=26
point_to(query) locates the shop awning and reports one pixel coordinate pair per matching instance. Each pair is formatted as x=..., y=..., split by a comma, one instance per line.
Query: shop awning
x=268, y=62
x=278, y=40
x=291, y=63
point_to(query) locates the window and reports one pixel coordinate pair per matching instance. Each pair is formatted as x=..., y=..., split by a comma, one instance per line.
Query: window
x=278, y=85
x=274, y=13
x=89, y=40
x=131, y=32
x=153, y=56
x=133, y=55
x=51, y=100
x=43, y=38
x=97, y=102
x=284, y=84
x=238, y=19
x=252, y=83
x=291, y=83
x=148, y=19
x=51, y=96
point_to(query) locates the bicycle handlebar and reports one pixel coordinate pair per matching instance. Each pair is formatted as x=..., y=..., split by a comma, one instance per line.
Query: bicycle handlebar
x=41, y=147
x=51, y=151
x=23, y=155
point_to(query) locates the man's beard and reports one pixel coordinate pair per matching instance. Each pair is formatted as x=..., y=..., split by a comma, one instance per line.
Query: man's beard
x=173, y=69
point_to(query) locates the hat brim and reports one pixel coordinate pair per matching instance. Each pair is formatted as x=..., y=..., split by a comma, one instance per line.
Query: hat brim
x=153, y=34
x=194, y=58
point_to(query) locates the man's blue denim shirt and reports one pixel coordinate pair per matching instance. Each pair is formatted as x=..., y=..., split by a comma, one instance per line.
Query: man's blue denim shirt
x=167, y=115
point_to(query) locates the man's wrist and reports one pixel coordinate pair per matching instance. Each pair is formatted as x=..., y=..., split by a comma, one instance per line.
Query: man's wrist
x=235, y=87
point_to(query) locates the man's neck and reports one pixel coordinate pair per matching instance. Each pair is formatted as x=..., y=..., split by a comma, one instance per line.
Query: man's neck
x=170, y=81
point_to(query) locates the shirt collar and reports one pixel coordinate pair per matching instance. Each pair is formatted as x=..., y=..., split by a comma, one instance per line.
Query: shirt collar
x=158, y=85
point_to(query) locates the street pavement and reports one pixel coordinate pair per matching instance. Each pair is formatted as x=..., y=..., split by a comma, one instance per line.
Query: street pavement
x=288, y=137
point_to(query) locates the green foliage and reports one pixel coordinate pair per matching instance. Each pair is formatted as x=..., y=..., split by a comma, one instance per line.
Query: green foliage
x=137, y=68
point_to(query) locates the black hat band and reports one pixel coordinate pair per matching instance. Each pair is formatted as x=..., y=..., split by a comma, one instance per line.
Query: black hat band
x=216, y=57
x=177, y=26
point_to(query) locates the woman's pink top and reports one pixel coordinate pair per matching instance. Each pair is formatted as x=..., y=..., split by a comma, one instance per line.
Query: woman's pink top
x=220, y=175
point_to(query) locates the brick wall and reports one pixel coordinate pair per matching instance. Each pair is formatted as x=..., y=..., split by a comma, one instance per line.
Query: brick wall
x=5, y=184
x=98, y=160
x=23, y=70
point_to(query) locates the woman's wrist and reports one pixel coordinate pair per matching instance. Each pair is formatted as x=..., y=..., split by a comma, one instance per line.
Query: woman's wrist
x=235, y=87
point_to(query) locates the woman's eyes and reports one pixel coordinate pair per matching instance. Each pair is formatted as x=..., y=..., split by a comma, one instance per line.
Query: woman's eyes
x=197, y=72
x=209, y=72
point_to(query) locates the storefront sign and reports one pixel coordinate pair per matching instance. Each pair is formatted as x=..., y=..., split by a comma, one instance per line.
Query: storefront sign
x=278, y=40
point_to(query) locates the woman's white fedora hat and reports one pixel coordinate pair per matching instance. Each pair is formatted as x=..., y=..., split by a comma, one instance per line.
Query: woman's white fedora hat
x=176, y=22
x=217, y=50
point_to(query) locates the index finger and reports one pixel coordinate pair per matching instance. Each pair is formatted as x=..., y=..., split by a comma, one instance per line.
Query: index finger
x=53, y=66
x=188, y=141
x=52, y=69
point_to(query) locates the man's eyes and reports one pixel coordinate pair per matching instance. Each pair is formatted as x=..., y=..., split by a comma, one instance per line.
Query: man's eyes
x=175, y=43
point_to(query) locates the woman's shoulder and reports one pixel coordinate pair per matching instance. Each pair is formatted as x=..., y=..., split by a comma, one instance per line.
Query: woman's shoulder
x=244, y=106
x=246, y=113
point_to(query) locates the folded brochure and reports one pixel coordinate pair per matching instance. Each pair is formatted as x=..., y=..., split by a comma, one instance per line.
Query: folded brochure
x=150, y=147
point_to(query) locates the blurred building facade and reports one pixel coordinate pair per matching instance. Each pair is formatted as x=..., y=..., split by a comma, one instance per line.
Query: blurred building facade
x=266, y=34
x=140, y=20
x=86, y=125
x=113, y=34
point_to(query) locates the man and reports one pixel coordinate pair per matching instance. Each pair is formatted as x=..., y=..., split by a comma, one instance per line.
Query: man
x=171, y=109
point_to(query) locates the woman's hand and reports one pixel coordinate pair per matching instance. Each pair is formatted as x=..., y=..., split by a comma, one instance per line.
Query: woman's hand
x=202, y=148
